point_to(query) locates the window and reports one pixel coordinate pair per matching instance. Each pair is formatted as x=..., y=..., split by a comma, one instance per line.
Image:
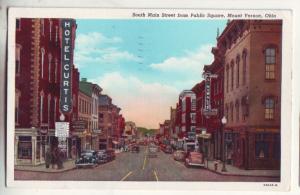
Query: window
x=17, y=106
x=237, y=71
x=55, y=71
x=42, y=62
x=41, y=107
x=56, y=34
x=50, y=29
x=193, y=117
x=193, y=104
x=232, y=74
x=269, y=108
x=54, y=112
x=183, y=105
x=270, y=61
x=261, y=146
x=24, y=147
x=18, y=59
x=49, y=66
x=227, y=78
x=42, y=27
x=276, y=147
x=244, y=66
x=193, y=129
x=231, y=111
x=49, y=107
x=237, y=107
x=18, y=24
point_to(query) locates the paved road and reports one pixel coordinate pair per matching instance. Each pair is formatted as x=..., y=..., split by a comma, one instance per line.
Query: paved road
x=139, y=167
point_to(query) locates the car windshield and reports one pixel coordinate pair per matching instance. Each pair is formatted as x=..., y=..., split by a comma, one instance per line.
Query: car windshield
x=87, y=154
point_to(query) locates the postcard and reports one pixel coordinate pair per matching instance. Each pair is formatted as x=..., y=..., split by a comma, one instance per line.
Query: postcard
x=164, y=98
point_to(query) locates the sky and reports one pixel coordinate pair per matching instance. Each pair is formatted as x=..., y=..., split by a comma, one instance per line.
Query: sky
x=143, y=65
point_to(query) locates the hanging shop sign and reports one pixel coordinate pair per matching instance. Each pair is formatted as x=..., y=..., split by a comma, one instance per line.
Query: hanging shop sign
x=66, y=67
x=62, y=129
x=207, y=110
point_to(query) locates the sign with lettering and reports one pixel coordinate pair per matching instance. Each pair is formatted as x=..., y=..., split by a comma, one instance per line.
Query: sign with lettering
x=62, y=129
x=79, y=125
x=207, y=110
x=66, y=66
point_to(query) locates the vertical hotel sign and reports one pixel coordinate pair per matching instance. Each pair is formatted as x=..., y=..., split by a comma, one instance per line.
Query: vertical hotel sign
x=66, y=68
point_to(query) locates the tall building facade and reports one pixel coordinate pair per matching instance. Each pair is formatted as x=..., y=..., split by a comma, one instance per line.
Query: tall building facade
x=252, y=92
x=38, y=76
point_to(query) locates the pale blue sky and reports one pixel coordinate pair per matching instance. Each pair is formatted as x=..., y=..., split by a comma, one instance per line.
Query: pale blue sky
x=138, y=56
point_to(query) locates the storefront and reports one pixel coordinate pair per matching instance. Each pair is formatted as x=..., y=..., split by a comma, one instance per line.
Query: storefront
x=31, y=146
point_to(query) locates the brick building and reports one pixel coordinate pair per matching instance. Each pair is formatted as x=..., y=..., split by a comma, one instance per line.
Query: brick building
x=94, y=92
x=252, y=80
x=38, y=70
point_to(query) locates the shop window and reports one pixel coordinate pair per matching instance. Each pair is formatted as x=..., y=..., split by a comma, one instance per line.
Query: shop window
x=24, y=147
x=18, y=24
x=269, y=108
x=270, y=61
x=261, y=146
x=276, y=147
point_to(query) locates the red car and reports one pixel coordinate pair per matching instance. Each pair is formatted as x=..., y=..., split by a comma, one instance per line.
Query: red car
x=194, y=159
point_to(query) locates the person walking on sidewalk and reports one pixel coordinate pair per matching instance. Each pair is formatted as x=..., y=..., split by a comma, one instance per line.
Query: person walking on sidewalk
x=48, y=158
x=54, y=157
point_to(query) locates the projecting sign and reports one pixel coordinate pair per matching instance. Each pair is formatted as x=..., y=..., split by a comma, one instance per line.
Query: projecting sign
x=62, y=129
x=66, y=67
x=207, y=111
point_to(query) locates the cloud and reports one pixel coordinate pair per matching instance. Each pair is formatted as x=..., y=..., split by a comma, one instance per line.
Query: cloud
x=95, y=48
x=192, y=62
x=147, y=104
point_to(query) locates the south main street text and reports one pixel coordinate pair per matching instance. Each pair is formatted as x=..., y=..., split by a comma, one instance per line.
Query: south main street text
x=201, y=15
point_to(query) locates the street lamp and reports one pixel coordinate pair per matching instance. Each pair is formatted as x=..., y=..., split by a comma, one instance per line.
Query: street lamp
x=224, y=121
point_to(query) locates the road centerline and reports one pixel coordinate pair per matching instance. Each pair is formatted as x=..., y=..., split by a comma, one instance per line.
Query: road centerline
x=155, y=174
x=127, y=175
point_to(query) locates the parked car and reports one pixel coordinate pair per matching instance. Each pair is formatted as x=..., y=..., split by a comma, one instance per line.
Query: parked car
x=135, y=148
x=194, y=159
x=168, y=149
x=87, y=159
x=110, y=155
x=102, y=156
x=152, y=151
x=179, y=155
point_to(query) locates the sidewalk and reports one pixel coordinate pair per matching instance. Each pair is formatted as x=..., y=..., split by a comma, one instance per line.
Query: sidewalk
x=235, y=171
x=68, y=165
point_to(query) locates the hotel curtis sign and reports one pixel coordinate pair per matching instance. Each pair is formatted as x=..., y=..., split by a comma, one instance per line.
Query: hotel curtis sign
x=66, y=68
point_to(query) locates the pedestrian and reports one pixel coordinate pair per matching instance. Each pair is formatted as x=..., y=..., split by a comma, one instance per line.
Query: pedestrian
x=48, y=158
x=53, y=158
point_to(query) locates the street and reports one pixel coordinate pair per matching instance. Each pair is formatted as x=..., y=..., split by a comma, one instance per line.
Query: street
x=139, y=167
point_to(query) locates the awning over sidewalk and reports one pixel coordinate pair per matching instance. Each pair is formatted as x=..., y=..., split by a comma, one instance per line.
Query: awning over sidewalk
x=204, y=136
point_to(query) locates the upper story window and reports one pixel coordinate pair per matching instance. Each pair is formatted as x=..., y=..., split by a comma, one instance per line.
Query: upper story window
x=42, y=62
x=49, y=66
x=55, y=70
x=50, y=29
x=270, y=61
x=237, y=71
x=56, y=34
x=227, y=78
x=18, y=24
x=18, y=59
x=244, y=59
x=193, y=104
x=193, y=117
x=269, y=108
x=232, y=74
x=42, y=27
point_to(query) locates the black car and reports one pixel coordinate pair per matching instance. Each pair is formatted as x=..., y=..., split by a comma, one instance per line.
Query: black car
x=102, y=156
x=135, y=148
x=87, y=159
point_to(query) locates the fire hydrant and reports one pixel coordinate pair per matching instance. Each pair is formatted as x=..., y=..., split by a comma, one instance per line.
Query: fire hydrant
x=216, y=165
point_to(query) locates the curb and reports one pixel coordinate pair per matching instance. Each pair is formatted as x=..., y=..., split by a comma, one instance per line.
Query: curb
x=40, y=171
x=241, y=175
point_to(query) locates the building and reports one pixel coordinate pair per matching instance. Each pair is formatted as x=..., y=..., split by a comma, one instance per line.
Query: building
x=130, y=130
x=252, y=92
x=173, y=132
x=188, y=111
x=85, y=115
x=38, y=76
x=93, y=91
